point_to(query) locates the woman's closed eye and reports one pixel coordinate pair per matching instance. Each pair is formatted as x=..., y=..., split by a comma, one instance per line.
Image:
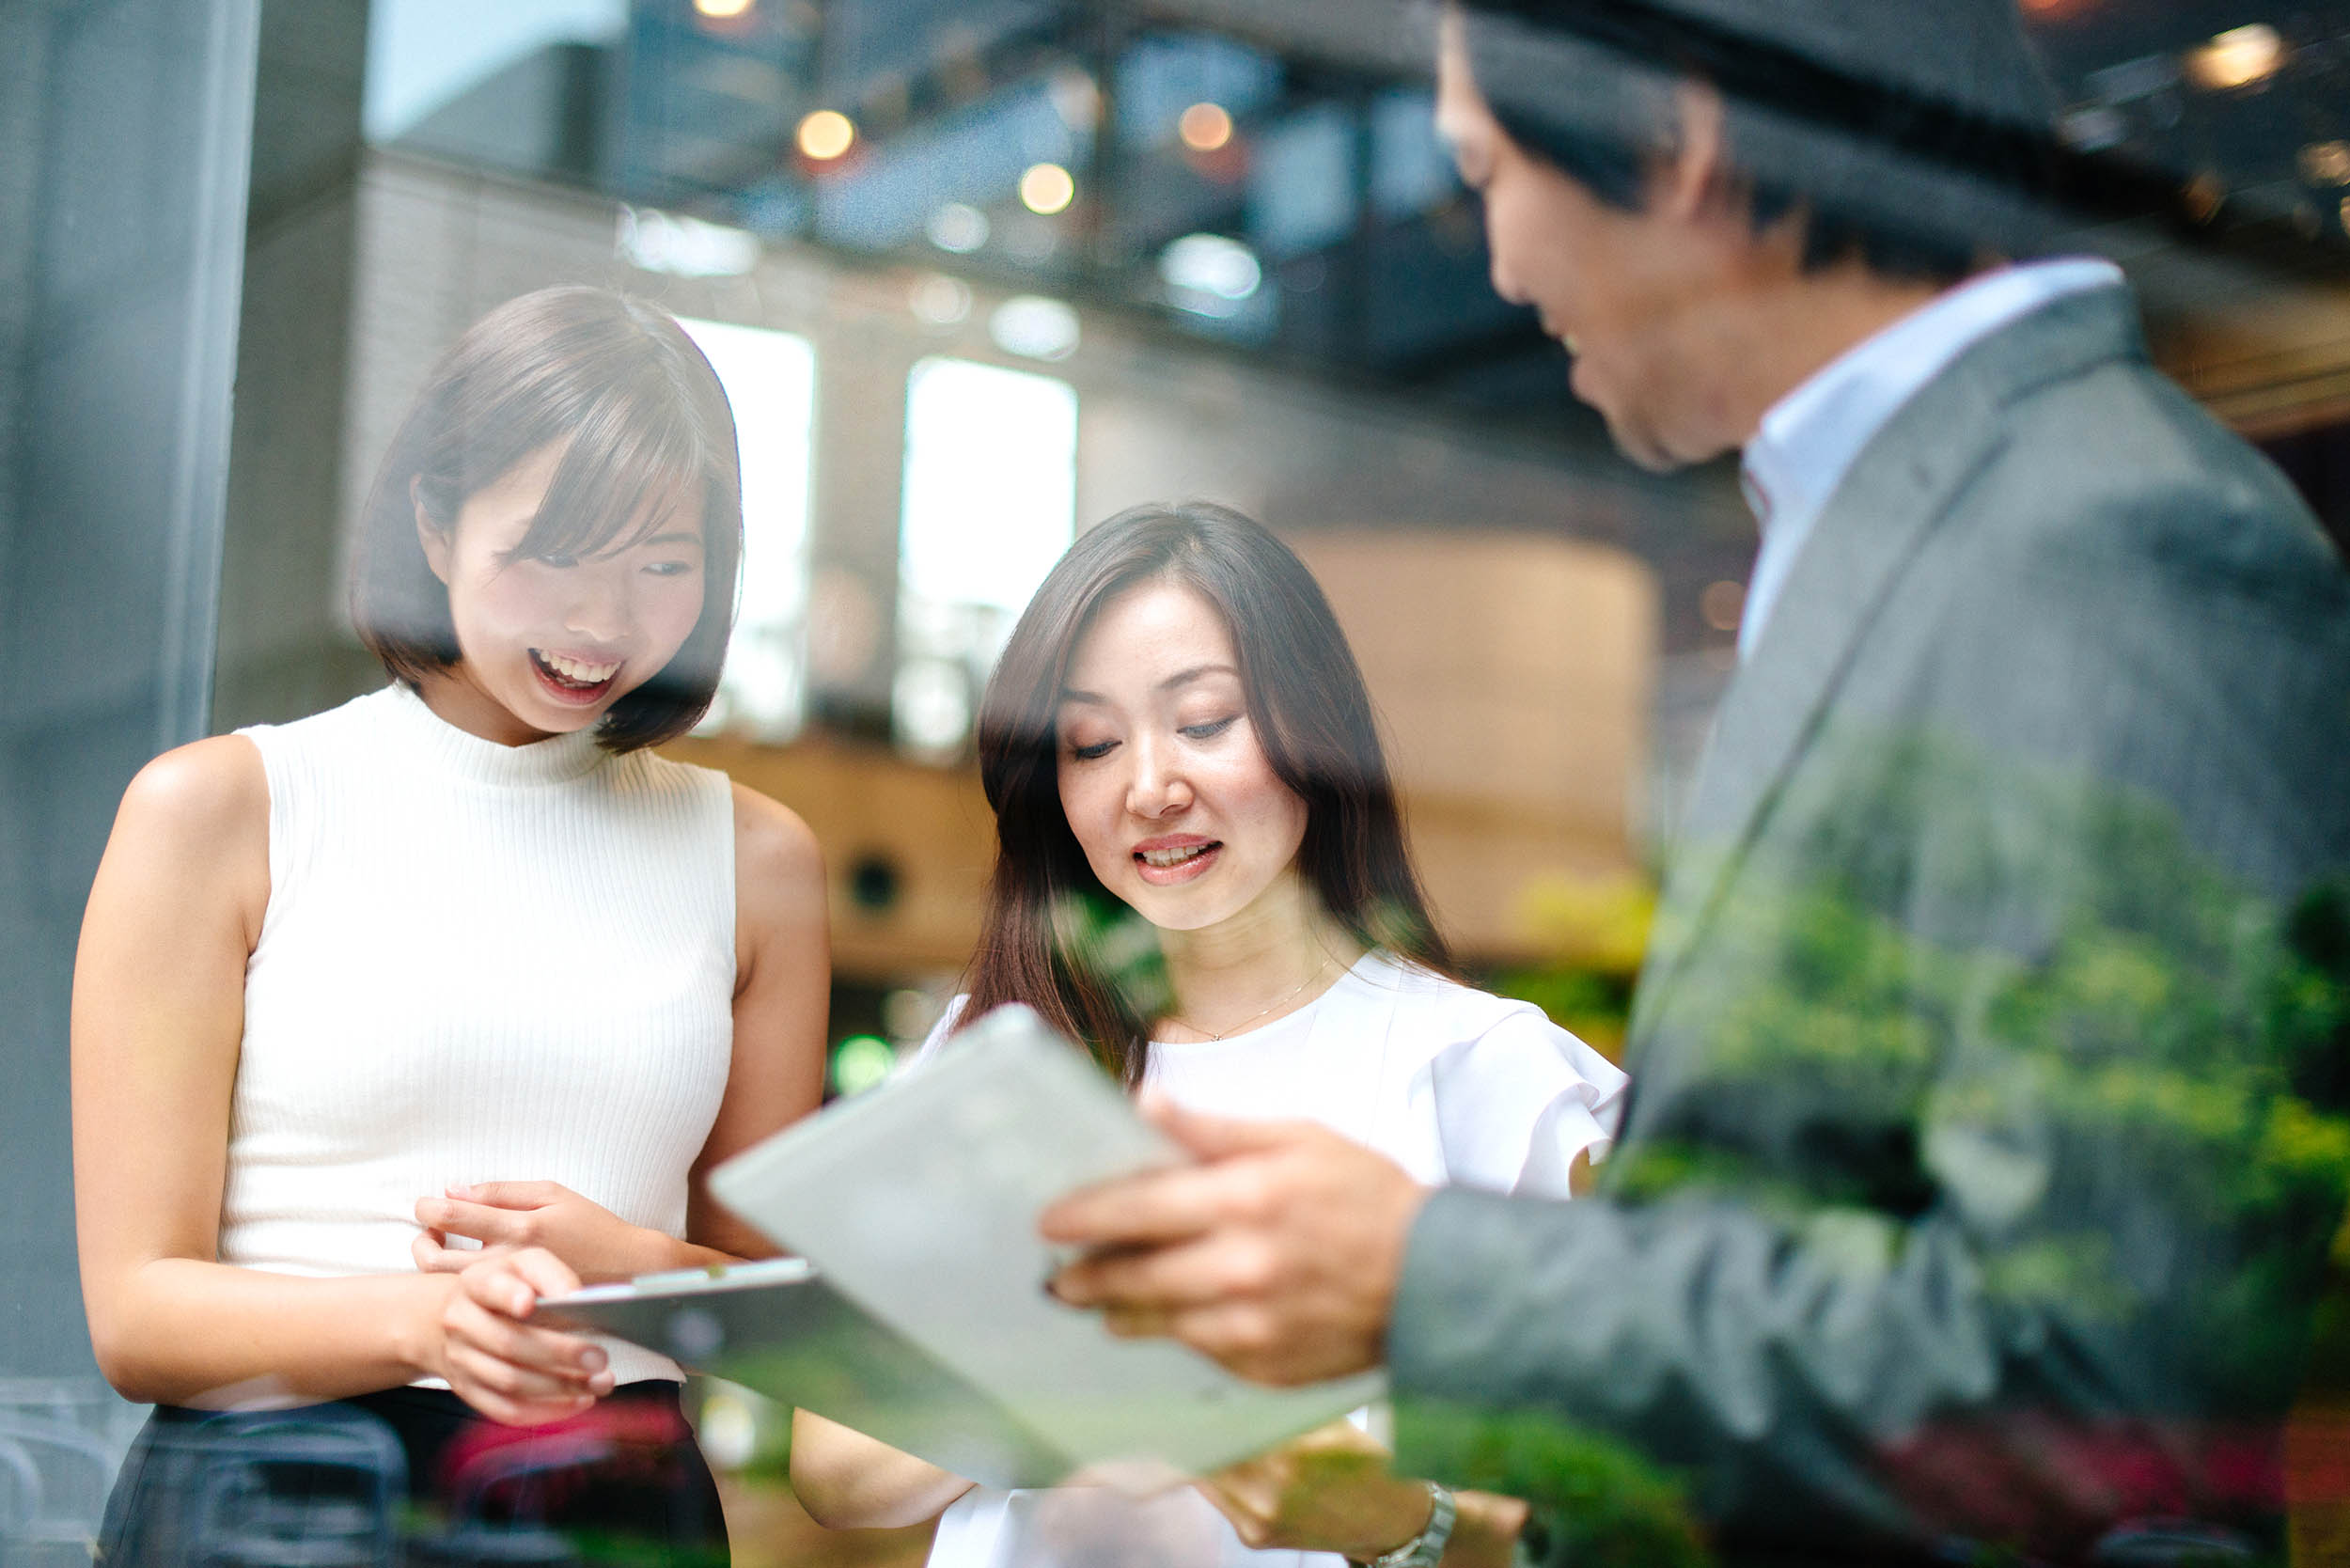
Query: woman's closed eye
x=1091, y=751
x=1210, y=730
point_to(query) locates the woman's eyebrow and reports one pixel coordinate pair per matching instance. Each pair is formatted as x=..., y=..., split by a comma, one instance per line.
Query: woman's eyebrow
x=1180, y=678
x=1197, y=672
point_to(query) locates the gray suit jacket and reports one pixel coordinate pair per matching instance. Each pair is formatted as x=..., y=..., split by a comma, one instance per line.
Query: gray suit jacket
x=1986, y=1127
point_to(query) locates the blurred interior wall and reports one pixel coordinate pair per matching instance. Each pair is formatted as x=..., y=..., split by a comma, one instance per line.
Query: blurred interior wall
x=123, y=214
x=282, y=652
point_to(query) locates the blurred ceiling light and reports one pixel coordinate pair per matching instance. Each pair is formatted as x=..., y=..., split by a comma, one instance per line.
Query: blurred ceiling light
x=1047, y=189
x=655, y=241
x=941, y=301
x=958, y=227
x=1034, y=327
x=1205, y=127
x=2236, y=58
x=826, y=135
x=722, y=11
x=2326, y=162
x=1209, y=274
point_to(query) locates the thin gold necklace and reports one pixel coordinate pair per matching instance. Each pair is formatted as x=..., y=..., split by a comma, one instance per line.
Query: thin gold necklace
x=1288, y=995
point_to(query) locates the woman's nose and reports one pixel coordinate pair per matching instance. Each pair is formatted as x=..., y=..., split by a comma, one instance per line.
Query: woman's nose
x=1156, y=788
x=600, y=606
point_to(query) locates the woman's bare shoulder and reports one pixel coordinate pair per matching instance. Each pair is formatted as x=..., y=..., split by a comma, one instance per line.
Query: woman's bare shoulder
x=208, y=789
x=771, y=842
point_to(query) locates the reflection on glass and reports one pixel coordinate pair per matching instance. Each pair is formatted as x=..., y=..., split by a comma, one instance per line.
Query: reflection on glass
x=991, y=491
x=770, y=378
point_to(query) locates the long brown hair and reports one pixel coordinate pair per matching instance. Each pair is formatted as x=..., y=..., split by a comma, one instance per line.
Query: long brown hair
x=1052, y=937
x=646, y=423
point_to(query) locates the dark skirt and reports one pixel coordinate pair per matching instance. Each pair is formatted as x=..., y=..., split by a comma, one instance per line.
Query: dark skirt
x=413, y=1476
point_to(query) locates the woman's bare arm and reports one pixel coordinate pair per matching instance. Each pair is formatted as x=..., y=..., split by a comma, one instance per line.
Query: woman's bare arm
x=158, y=1015
x=847, y=1480
x=782, y=1003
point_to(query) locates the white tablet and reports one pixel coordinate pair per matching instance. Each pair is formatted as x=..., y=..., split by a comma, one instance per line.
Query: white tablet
x=918, y=1203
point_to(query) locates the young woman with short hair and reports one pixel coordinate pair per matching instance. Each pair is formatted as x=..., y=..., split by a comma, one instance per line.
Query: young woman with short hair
x=461, y=957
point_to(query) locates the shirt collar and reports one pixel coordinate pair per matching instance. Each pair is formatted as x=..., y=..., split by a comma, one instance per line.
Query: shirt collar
x=1809, y=439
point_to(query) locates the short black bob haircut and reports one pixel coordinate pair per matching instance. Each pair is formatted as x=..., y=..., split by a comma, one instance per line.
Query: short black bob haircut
x=1306, y=705
x=647, y=425
x=1914, y=182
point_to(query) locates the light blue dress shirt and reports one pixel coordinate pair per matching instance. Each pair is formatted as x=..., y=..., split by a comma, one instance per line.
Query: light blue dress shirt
x=1808, y=440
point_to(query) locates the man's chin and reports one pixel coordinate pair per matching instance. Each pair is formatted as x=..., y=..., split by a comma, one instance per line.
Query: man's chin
x=1643, y=446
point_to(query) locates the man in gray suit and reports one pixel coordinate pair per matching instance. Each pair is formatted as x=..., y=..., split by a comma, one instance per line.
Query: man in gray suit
x=1987, y=1124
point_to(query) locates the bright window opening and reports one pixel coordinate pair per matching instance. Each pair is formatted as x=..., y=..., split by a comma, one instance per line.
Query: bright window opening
x=770, y=378
x=990, y=503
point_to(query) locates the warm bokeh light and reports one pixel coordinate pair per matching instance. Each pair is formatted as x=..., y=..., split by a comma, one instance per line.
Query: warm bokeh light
x=1047, y=189
x=724, y=10
x=826, y=135
x=1205, y=127
x=2236, y=58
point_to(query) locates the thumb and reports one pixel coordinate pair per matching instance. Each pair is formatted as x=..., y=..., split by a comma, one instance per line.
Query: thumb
x=1215, y=1137
x=546, y=1274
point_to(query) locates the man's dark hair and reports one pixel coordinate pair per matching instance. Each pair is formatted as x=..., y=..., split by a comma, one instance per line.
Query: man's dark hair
x=645, y=425
x=1912, y=141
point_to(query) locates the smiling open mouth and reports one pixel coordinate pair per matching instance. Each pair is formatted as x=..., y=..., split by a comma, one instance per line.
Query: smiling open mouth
x=577, y=679
x=1167, y=859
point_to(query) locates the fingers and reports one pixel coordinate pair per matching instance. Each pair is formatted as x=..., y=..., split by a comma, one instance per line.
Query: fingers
x=433, y=1255
x=1160, y=1207
x=509, y=1195
x=1244, y=1337
x=485, y=1223
x=508, y=1369
x=1228, y=1265
x=540, y=1270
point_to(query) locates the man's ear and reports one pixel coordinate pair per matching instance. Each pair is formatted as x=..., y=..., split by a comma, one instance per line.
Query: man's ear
x=436, y=541
x=1694, y=173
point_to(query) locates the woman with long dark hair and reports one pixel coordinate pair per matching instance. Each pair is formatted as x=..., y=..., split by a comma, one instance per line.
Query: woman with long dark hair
x=459, y=960
x=1202, y=875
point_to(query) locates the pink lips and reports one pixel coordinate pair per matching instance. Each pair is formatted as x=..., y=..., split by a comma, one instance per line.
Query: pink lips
x=1182, y=872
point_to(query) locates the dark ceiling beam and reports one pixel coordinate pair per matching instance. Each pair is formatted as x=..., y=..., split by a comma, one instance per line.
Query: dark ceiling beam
x=1381, y=38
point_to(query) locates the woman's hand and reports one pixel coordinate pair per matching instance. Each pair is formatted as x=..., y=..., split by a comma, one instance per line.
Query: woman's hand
x=1329, y=1491
x=507, y=1217
x=480, y=1339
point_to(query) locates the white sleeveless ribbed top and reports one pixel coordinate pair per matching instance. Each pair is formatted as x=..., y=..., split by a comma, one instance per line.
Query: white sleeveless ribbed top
x=480, y=962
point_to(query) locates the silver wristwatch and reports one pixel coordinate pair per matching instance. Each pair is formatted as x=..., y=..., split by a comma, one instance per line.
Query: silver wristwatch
x=1426, y=1549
